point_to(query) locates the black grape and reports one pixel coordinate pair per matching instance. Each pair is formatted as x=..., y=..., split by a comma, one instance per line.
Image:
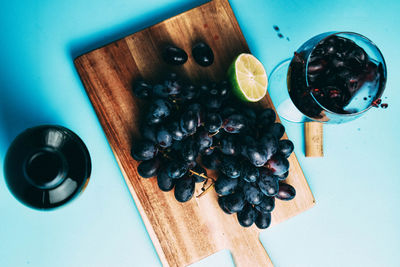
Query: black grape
x=176, y=169
x=286, y=192
x=204, y=140
x=165, y=183
x=230, y=166
x=142, y=89
x=226, y=185
x=269, y=144
x=263, y=220
x=189, y=150
x=144, y=150
x=189, y=92
x=282, y=176
x=184, y=188
x=175, y=131
x=278, y=164
x=232, y=203
x=234, y=123
x=252, y=193
x=247, y=215
x=211, y=161
x=148, y=168
x=229, y=146
x=213, y=122
x=266, y=205
x=277, y=129
x=148, y=132
x=189, y=122
x=266, y=117
x=249, y=172
x=164, y=137
x=286, y=147
x=268, y=183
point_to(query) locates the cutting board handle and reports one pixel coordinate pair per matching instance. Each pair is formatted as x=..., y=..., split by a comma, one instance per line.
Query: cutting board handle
x=251, y=253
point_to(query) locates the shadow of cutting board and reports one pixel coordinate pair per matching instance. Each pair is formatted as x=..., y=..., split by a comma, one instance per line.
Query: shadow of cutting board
x=182, y=233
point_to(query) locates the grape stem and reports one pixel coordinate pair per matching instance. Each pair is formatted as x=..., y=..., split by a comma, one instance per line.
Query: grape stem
x=192, y=172
x=202, y=175
x=205, y=190
x=211, y=135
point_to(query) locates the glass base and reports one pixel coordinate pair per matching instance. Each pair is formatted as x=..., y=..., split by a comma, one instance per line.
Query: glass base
x=278, y=91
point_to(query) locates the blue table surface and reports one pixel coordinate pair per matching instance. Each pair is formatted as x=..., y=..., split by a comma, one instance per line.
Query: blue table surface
x=356, y=219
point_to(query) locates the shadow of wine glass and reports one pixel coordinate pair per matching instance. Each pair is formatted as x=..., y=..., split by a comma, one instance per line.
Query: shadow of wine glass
x=95, y=40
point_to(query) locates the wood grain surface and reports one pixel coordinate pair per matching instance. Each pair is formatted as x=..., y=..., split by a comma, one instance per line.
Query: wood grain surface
x=182, y=233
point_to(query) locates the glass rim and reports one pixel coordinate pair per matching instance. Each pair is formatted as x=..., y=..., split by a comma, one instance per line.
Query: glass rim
x=327, y=35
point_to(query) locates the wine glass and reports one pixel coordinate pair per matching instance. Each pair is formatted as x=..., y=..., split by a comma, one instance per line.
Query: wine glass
x=334, y=77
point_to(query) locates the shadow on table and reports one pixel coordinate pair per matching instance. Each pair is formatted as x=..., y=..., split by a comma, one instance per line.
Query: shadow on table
x=98, y=39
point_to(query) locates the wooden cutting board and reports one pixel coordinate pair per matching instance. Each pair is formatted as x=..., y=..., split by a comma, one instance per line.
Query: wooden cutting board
x=181, y=233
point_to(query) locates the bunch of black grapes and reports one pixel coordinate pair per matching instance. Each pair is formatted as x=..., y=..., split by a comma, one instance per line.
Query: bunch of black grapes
x=187, y=128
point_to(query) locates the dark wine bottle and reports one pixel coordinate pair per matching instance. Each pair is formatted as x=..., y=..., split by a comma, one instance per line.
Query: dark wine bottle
x=47, y=166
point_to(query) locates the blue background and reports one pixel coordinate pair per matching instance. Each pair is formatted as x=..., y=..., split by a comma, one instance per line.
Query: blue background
x=356, y=185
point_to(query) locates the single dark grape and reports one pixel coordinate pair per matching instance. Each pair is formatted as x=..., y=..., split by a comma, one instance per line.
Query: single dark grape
x=189, y=122
x=164, y=137
x=286, y=147
x=212, y=103
x=226, y=185
x=148, y=168
x=142, y=89
x=250, y=114
x=230, y=166
x=286, y=192
x=278, y=164
x=189, y=92
x=249, y=172
x=282, y=176
x=189, y=150
x=199, y=170
x=161, y=91
x=222, y=202
x=269, y=143
x=204, y=140
x=268, y=183
x=184, y=188
x=247, y=215
x=224, y=89
x=213, y=122
x=234, y=123
x=159, y=109
x=144, y=150
x=252, y=193
x=211, y=161
x=277, y=129
x=173, y=84
x=229, y=146
x=174, y=129
x=266, y=205
x=203, y=54
x=256, y=155
x=174, y=55
x=165, y=183
x=233, y=202
x=197, y=111
x=263, y=220
x=176, y=169
x=266, y=117
x=148, y=132
x=228, y=111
